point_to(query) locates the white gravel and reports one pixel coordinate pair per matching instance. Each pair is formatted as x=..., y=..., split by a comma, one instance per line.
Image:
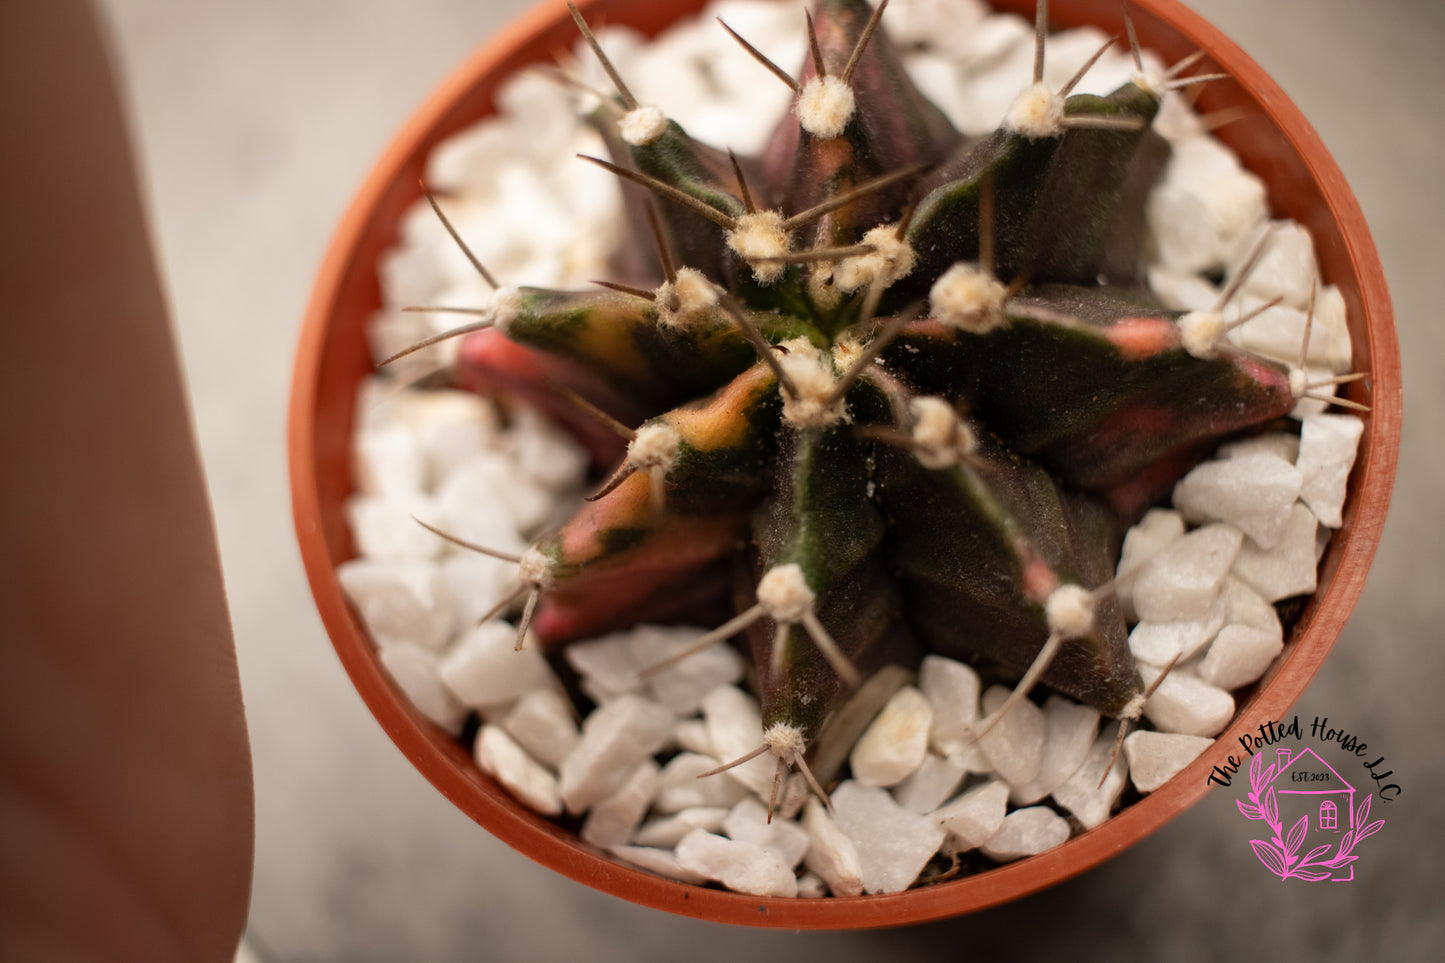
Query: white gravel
x=895, y=745
x=1155, y=757
x=1198, y=581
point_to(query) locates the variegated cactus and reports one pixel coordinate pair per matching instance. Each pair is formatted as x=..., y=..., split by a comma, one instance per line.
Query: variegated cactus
x=891, y=390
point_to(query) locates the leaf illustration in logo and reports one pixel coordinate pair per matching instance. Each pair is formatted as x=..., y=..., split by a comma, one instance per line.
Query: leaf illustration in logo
x=1256, y=773
x=1296, y=836
x=1250, y=811
x=1271, y=807
x=1268, y=855
x=1315, y=853
x=1362, y=812
x=1313, y=875
x=1370, y=830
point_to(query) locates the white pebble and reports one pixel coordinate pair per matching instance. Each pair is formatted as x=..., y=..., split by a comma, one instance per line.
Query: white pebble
x=1204, y=206
x=1286, y=269
x=1159, y=643
x=991, y=40
x=607, y=664
x=475, y=583
x=795, y=792
x=896, y=742
x=409, y=274
x=450, y=426
x=524, y=777
x=747, y=822
x=1183, y=579
x=682, y=685
x=1069, y=50
x=1239, y=655
x=1185, y=703
x=1252, y=492
x=386, y=460
x=485, y=668
x=944, y=24
x=931, y=784
x=1015, y=746
x=893, y=844
x=952, y=690
x=811, y=886
x=416, y=672
x=402, y=601
x=1027, y=832
x=691, y=736
x=1089, y=794
x=544, y=452
x=1182, y=291
x=1327, y=453
x=663, y=862
x=1156, y=757
x=485, y=498
x=463, y=159
x=1281, y=444
x=1146, y=539
x=1244, y=606
x=1330, y=314
x=385, y=526
x=741, y=867
x=979, y=106
x=681, y=788
x=542, y=723
x=831, y=854
x=971, y=757
x=615, y=737
x=546, y=106
x=614, y=664
x=735, y=728
x=668, y=831
x=1069, y=732
x=973, y=818
x=1288, y=568
x=612, y=821
x=1278, y=331
x=936, y=76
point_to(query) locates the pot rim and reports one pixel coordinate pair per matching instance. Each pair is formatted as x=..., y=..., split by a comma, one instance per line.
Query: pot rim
x=329, y=361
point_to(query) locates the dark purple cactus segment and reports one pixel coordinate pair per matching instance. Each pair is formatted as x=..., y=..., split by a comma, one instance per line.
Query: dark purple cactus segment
x=1098, y=401
x=821, y=517
x=1077, y=219
x=1058, y=211
x=894, y=127
x=947, y=226
x=703, y=173
x=781, y=438
x=980, y=548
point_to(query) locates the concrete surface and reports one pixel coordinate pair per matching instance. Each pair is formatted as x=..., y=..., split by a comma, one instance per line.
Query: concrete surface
x=256, y=122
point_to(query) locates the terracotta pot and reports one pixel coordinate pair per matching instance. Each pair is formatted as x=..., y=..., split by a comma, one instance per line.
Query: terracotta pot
x=1274, y=141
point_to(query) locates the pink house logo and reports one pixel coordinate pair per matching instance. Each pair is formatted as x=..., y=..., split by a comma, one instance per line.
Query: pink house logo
x=1325, y=822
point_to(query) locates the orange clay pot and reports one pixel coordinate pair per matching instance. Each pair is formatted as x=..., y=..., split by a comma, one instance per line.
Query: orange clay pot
x=1273, y=140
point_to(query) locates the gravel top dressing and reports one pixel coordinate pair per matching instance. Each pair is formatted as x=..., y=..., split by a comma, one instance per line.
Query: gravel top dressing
x=651, y=741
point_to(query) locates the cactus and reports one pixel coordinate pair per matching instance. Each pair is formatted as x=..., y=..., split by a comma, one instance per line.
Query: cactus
x=890, y=390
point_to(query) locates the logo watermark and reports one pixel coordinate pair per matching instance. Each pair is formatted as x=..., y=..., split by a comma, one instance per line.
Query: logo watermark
x=1293, y=785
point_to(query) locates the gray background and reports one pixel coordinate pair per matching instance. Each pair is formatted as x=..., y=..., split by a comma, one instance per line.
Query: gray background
x=256, y=121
